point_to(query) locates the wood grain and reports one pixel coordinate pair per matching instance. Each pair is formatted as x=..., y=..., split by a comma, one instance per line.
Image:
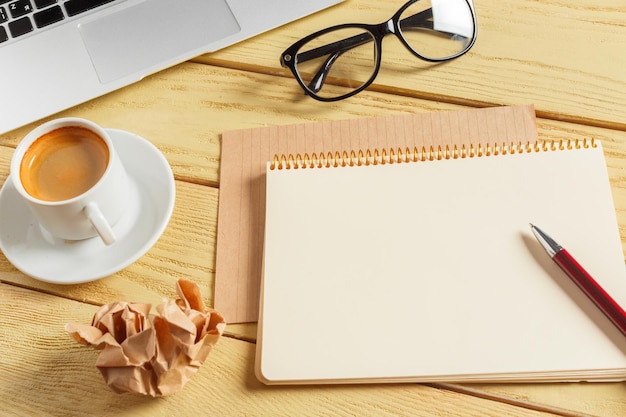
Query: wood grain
x=191, y=144
x=190, y=139
x=41, y=358
x=193, y=104
x=563, y=56
x=183, y=251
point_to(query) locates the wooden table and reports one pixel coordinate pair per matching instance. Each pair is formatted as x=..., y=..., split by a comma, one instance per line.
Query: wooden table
x=565, y=57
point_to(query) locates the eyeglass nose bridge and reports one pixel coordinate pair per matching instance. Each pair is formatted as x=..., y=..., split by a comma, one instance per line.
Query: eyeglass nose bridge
x=385, y=28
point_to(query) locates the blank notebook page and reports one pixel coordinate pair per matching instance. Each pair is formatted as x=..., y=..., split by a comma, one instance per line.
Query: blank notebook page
x=244, y=157
x=428, y=271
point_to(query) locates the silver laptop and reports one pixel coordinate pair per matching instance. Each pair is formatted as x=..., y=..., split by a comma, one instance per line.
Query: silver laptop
x=55, y=54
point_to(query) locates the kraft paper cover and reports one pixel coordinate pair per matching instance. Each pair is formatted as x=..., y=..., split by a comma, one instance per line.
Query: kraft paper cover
x=246, y=152
x=152, y=354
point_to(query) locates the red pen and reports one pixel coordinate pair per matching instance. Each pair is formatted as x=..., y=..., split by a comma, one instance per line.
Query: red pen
x=585, y=282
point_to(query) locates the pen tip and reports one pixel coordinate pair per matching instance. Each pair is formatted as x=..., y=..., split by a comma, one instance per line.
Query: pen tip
x=546, y=241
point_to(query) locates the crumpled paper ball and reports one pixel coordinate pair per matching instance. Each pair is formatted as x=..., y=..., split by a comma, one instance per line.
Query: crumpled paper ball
x=152, y=354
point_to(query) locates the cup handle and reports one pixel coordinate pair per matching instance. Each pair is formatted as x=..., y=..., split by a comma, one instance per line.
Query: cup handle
x=99, y=223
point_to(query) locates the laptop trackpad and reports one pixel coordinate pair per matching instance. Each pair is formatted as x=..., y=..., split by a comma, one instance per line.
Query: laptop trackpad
x=140, y=39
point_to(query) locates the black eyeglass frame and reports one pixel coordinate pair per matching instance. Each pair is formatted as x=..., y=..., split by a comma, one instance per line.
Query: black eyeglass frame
x=288, y=58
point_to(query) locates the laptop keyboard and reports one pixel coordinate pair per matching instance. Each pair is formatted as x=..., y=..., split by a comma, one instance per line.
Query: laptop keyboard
x=21, y=17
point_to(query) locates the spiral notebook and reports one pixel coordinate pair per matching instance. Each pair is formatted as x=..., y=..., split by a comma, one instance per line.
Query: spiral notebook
x=245, y=153
x=417, y=264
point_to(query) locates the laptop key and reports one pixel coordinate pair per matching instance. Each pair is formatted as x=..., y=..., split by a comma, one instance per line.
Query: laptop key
x=4, y=36
x=20, y=8
x=48, y=16
x=3, y=15
x=20, y=27
x=40, y=4
x=74, y=7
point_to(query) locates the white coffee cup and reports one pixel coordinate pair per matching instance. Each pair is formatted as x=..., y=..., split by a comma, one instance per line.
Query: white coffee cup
x=72, y=179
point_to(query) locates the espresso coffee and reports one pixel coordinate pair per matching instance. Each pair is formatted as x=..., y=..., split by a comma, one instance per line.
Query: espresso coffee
x=63, y=163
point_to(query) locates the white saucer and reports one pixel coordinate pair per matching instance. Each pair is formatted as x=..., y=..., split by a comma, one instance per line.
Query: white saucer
x=34, y=252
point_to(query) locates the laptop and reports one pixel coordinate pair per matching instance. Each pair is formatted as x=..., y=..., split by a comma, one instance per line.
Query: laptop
x=55, y=54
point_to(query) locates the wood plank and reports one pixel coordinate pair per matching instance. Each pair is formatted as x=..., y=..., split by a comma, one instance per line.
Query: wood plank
x=190, y=141
x=185, y=250
x=561, y=55
x=593, y=399
x=61, y=374
x=193, y=104
x=188, y=130
x=184, y=110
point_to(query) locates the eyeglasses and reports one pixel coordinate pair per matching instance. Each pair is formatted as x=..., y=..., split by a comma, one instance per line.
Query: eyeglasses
x=340, y=61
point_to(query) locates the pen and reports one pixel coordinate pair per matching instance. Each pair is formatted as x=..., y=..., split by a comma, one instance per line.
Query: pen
x=585, y=282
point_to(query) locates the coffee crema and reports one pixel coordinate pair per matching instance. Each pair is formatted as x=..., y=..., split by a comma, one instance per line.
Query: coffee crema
x=64, y=163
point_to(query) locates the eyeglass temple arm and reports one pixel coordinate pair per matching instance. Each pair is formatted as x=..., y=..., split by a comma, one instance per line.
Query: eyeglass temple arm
x=340, y=47
x=335, y=49
x=317, y=82
x=422, y=19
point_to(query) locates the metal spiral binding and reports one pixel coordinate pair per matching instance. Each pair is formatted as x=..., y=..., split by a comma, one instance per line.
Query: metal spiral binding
x=391, y=156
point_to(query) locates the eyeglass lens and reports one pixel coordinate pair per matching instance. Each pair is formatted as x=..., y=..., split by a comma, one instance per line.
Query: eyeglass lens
x=437, y=29
x=341, y=61
x=332, y=64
